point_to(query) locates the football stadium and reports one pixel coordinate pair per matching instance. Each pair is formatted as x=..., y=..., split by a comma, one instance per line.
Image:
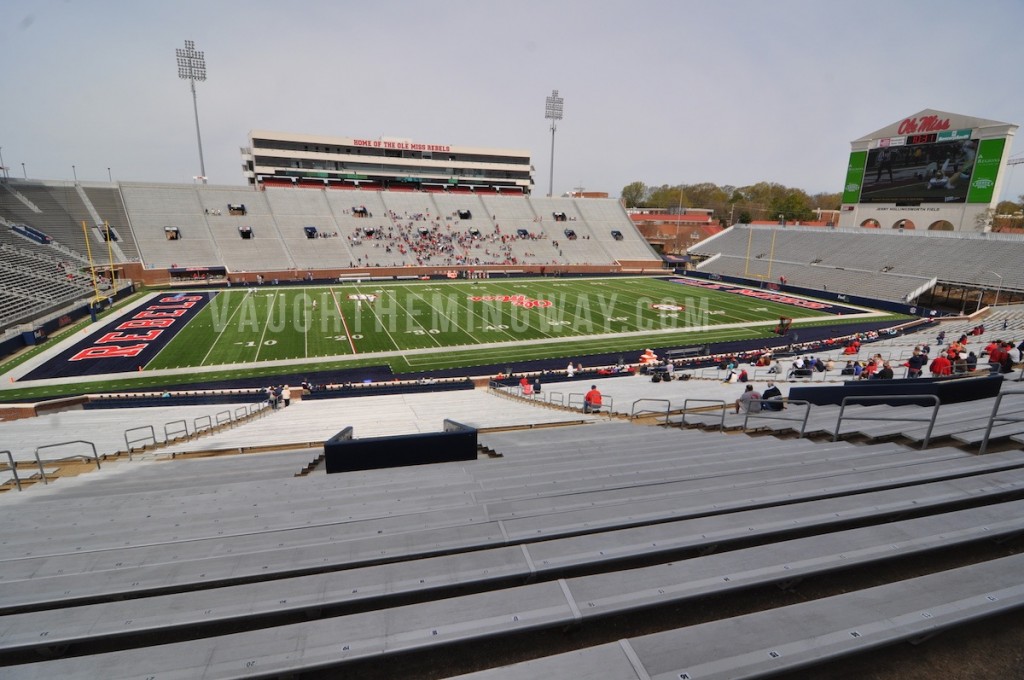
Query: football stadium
x=363, y=419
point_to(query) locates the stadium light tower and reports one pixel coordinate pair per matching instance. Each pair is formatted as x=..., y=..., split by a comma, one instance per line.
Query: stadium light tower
x=192, y=67
x=553, y=112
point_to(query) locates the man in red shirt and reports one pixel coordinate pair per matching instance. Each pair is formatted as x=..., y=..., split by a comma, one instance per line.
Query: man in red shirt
x=592, y=400
x=941, y=366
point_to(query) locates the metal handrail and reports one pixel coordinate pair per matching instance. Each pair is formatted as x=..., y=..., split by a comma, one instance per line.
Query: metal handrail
x=244, y=413
x=168, y=435
x=788, y=402
x=995, y=417
x=39, y=461
x=722, y=403
x=668, y=406
x=221, y=421
x=14, y=469
x=887, y=398
x=561, y=398
x=607, y=402
x=197, y=428
x=766, y=374
x=128, y=443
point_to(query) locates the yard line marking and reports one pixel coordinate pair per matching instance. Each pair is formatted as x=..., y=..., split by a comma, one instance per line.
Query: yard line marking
x=456, y=325
x=408, y=315
x=380, y=323
x=213, y=344
x=337, y=305
x=270, y=314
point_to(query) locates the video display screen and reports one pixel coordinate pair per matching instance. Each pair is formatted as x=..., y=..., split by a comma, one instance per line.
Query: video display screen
x=919, y=169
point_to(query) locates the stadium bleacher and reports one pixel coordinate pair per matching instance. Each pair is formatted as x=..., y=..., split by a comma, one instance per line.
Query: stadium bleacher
x=545, y=542
x=233, y=554
x=951, y=257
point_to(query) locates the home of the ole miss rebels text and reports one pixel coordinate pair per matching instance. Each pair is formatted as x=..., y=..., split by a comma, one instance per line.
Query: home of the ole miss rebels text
x=128, y=343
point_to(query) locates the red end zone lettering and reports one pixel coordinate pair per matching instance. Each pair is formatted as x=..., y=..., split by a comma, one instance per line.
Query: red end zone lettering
x=108, y=352
x=145, y=323
x=174, y=299
x=186, y=305
x=148, y=336
x=156, y=315
x=128, y=343
x=784, y=299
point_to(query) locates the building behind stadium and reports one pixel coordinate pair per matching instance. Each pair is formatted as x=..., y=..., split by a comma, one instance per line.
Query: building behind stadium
x=933, y=170
x=288, y=159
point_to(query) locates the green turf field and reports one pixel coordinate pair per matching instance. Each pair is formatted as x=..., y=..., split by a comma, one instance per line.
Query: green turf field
x=427, y=325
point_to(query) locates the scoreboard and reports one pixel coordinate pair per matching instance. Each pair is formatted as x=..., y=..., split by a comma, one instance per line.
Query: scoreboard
x=924, y=138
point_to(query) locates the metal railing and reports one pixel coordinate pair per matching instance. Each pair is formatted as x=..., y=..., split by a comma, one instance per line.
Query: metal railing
x=13, y=468
x=171, y=434
x=202, y=424
x=787, y=402
x=39, y=461
x=995, y=417
x=887, y=398
x=717, y=402
x=128, y=443
x=223, y=417
x=607, y=402
x=634, y=412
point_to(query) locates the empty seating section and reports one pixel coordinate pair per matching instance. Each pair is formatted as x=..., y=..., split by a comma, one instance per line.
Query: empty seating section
x=870, y=284
x=108, y=204
x=263, y=250
x=604, y=216
x=294, y=211
x=582, y=248
x=35, y=279
x=55, y=208
x=153, y=207
x=575, y=526
x=105, y=428
x=966, y=258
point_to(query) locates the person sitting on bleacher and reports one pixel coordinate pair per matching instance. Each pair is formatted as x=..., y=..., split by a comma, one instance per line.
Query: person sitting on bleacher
x=749, y=401
x=773, y=395
x=884, y=373
x=592, y=400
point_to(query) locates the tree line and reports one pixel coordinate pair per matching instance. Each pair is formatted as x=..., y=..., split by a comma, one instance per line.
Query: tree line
x=761, y=201
x=731, y=204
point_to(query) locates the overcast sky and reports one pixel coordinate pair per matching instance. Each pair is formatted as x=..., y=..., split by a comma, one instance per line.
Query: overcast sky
x=727, y=91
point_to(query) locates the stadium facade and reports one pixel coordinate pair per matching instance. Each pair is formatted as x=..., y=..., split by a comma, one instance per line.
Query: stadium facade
x=932, y=170
x=289, y=159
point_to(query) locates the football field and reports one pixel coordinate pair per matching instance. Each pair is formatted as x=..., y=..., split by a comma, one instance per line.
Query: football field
x=427, y=325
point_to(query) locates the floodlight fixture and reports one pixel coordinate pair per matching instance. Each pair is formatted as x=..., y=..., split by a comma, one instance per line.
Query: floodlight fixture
x=192, y=67
x=553, y=112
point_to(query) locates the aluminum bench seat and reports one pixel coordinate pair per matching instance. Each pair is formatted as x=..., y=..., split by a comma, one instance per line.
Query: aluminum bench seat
x=795, y=637
x=565, y=602
x=131, y=571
